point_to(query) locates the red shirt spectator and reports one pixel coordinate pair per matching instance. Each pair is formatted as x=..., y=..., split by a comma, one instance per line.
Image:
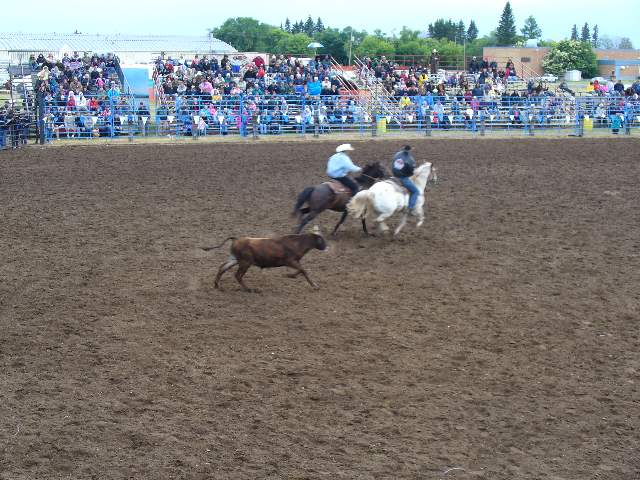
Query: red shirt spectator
x=258, y=61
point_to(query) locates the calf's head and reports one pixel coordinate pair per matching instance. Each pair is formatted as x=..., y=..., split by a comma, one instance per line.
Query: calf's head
x=319, y=242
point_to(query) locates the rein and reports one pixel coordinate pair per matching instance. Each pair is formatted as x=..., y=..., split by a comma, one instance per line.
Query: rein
x=376, y=180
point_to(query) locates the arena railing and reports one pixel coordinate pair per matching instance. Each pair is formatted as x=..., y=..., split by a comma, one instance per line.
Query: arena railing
x=254, y=115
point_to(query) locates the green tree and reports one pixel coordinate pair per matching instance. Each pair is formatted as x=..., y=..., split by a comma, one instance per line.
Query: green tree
x=472, y=31
x=585, y=35
x=319, y=25
x=245, y=34
x=571, y=55
x=374, y=46
x=595, y=41
x=606, y=42
x=408, y=35
x=461, y=32
x=411, y=47
x=309, y=26
x=297, y=27
x=506, y=32
x=574, y=33
x=442, y=28
x=531, y=28
x=295, y=44
x=287, y=25
x=335, y=43
x=625, y=43
x=379, y=33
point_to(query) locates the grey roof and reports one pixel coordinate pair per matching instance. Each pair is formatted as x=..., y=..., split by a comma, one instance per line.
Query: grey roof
x=53, y=42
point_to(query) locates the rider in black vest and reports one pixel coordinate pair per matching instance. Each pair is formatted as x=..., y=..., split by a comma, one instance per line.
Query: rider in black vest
x=402, y=168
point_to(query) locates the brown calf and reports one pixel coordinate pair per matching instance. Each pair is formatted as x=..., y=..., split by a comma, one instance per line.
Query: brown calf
x=285, y=251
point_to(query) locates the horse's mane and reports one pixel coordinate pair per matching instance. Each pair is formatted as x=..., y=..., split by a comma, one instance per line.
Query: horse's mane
x=421, y=167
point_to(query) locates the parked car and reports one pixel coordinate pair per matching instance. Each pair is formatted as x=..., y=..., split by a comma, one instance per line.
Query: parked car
x=547, y=77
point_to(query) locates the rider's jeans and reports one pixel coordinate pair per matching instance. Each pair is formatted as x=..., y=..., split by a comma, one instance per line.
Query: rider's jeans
x=413, y=190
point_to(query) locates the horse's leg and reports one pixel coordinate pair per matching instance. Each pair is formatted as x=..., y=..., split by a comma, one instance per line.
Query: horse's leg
x=364, y=227
x=295, y=264
x=230, y=263
x=242, y=269
x=420, y=218
x=401, y=225
x=380, y=219
x=306, y=220
x=419, y=209
x=342, y=218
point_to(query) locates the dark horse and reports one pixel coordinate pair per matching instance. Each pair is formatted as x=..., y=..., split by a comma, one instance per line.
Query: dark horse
x=322, y=197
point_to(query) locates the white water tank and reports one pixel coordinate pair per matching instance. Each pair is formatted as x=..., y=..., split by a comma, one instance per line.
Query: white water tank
x=573, y=76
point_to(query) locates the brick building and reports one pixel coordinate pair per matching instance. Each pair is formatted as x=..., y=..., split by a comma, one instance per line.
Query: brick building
x=623, y=64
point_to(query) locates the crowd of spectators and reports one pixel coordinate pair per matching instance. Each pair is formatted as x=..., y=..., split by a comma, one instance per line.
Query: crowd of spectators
x=485, y=78
x=220, y=94
x=14, y=126
x=210, y=77
x=82, y=94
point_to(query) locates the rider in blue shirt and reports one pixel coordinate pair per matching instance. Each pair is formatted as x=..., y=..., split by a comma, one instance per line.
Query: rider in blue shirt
x=340, y=166
x=403, y=166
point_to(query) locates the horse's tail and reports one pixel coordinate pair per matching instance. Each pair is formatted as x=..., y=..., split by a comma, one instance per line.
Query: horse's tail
x=359, y=203
x=301, y=200
x=206, y=249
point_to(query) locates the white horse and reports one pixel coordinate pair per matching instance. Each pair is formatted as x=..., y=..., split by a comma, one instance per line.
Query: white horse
x=388, y=197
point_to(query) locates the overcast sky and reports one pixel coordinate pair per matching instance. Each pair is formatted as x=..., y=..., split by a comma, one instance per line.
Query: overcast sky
x=555, y=17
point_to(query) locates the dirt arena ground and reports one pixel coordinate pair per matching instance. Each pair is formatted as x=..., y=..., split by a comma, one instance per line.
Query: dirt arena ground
x=500, y=341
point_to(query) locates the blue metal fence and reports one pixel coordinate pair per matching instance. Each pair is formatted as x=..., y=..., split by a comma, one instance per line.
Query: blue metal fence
x=198, y=116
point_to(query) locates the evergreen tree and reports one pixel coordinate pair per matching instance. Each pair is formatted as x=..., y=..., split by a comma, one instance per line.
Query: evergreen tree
x=472, y=31
x=442, y=28
x=287, y=25
x=531, y=28
x=461, y=32
x=586, y=34
x=296, y=28
x=319, y=25
x=595, y=41
x=506, y=32
x=574, y=33
x=309, y=26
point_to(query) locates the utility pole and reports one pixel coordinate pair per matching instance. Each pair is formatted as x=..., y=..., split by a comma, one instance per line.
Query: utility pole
x=350, y=45
x=464, y=53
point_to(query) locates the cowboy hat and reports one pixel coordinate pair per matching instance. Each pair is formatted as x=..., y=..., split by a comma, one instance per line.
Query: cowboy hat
x=344, y=147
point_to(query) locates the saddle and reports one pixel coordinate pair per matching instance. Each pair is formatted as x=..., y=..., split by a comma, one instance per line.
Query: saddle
x=395, y=182
x=338, y=188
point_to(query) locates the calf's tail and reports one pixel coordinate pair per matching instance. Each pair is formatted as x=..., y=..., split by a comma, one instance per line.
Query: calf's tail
x=303, y=197
x=359, y=204
x=206, y=249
